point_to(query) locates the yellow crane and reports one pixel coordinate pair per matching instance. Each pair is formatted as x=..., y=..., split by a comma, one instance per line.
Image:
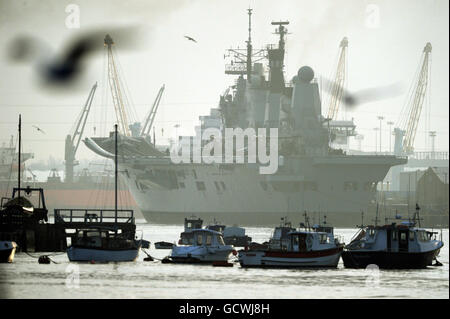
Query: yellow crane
x=118, y=94
x=145, y=132
x=406, y=130
x=337, y=86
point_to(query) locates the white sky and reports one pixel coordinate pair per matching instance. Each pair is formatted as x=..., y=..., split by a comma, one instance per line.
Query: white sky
x=194, y=72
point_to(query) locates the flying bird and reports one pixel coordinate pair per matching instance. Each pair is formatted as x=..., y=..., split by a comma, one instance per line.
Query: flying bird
x=37, y=128
x=190, y=39
x=64, y=67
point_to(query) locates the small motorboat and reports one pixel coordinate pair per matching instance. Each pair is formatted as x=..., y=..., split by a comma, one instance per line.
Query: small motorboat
x=394, y=246
x=206, y=246
x=101, y=244
x=163, y=245
x=312, y=247
x=7, y=251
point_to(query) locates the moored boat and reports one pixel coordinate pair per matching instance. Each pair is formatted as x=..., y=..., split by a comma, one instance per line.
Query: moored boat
x=236, y=236
x=394, y=246
x=163, y=245
x=7, y=251
x=102, y=245
x=206, y=246
x=311, y=247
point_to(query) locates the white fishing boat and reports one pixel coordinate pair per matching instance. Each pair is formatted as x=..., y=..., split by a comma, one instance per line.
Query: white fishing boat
x=7, y=251
x=311, y=247
x=102, y=245
x=206, y=246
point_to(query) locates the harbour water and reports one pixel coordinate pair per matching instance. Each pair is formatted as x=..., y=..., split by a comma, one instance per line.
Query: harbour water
x=25, y=278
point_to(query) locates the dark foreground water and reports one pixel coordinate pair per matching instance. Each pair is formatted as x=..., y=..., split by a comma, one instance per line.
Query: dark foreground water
x=25, y=278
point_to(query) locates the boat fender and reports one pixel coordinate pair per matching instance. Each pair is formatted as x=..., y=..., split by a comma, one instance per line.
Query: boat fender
x=234, y=252
x=44, y=259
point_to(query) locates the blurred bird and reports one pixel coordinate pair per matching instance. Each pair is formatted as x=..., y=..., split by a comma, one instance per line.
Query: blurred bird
x=190, y=39
x=63, y=67
x=37, y=128
x=351, y=100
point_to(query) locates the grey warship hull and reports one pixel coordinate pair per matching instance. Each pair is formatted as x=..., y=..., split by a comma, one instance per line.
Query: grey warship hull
x=333, y=185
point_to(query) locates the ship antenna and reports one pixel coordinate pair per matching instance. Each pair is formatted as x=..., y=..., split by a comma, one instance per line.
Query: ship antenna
x=249, y=45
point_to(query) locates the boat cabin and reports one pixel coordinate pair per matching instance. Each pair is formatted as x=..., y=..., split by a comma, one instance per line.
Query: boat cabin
x=279, y=239
x=303, y=241
x=192, y=223
x=205, y=237
x=394, y=238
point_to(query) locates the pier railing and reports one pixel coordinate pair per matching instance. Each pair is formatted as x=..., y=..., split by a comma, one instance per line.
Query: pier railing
x=74, y=215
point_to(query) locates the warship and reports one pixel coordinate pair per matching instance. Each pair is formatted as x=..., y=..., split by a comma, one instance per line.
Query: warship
x=311, y=175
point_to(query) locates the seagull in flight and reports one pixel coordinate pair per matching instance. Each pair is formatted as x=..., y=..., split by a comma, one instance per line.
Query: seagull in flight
x=190, y=39
x=37, y=128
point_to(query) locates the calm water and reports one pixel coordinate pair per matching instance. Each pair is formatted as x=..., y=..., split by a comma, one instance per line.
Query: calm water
x=25, y=278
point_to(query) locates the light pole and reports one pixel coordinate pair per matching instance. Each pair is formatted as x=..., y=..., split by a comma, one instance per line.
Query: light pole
x=376, y=136
x=359, y=138
x=390, y=123
x=432, y=135
x=381, y=118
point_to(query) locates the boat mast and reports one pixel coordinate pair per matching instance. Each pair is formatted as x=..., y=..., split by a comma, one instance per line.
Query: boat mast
x=115, y=172
x=20, y=142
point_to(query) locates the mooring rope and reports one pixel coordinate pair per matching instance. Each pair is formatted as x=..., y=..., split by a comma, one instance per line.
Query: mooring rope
x=148, y=255
x=48, y=256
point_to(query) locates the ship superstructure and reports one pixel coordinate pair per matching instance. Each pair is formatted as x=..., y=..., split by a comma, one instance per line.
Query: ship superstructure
x=311, y=175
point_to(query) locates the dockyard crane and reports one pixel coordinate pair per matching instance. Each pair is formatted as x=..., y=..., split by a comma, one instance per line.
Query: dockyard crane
x=151, y=115
x=338, y=85
x=73, y=140
x=118, y=94
x=339, y=130
x=405, y=132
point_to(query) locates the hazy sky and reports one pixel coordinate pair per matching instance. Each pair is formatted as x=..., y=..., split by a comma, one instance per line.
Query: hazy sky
x=381, y=52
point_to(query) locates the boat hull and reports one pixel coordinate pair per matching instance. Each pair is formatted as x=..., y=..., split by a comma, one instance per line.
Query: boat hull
x=281, y=259
x=7, y=251
x=197, y=254
x=389, y=260
x=99, y=255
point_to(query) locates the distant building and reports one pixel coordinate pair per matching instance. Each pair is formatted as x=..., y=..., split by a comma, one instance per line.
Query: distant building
x=432, y=189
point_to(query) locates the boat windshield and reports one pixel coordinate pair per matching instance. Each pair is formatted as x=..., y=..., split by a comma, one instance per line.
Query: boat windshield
x=199, y=239
x=324, y=239
x=423, y=236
